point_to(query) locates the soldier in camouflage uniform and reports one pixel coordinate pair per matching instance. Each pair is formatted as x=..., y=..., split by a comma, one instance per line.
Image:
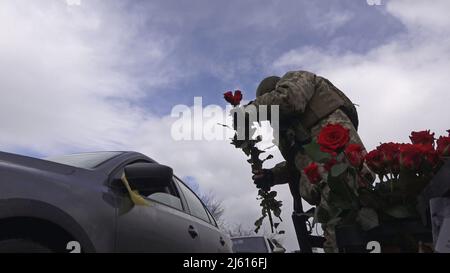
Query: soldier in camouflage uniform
x=307, y=103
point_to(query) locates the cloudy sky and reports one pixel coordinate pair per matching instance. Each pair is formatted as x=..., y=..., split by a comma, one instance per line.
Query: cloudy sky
x=104, y=75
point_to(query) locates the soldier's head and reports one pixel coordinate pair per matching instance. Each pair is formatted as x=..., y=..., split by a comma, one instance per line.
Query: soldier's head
x=267, y=85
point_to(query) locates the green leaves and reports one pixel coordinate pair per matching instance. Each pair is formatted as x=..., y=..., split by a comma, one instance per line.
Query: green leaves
x=342, y=200
x=272, y=194
x=338, y=169
x=258, y=223
x=268, y=202
x=339, y=188
x=313, y=151
x=269, y=205
x=277, y=212
x=246, y=145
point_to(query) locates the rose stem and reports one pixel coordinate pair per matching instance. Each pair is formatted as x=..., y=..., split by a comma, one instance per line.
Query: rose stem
x=270, y=219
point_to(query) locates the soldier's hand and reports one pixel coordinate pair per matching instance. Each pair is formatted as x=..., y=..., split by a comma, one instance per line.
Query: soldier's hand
x=263, y=179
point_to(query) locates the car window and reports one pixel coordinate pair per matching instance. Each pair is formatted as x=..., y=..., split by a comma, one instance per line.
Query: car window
x=166, y=199
x=195, y=205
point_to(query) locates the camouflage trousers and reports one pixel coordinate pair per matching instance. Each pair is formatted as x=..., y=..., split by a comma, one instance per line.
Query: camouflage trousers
x=310, y=192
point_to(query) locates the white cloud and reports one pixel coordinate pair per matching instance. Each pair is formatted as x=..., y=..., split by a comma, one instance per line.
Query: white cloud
x=331, y=21
x=422, y=15
x=63, y=77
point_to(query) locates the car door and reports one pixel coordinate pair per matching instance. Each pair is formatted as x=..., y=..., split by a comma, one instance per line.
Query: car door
x=212, y=240
x=163, y=226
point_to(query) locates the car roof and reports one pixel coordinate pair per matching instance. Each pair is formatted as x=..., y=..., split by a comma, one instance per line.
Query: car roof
x=111, y=163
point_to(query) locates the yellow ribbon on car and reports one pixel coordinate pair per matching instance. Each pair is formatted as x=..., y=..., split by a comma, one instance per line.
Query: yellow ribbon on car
x=134, y=195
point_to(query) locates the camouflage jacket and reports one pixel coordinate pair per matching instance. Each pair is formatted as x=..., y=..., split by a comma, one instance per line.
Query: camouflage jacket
x=304, y=99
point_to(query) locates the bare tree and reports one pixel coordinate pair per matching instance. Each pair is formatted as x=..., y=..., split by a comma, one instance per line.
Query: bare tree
x=214, y=205
x=238, y=230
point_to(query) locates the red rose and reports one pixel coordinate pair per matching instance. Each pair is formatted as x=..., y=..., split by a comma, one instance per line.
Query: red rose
x=233, y=99
x=312, y=172
x=375, y=162
x=422, y=137
x=412, y=155
x=390, y=151
x=228, y=96
x=391, y=156
x=443, y=145
x=327, y=166
x=237, y=96
x=354, y=153
x=432, y=159
x=332, y=138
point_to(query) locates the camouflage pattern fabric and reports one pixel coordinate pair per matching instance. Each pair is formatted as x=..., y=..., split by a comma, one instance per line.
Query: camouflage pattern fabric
x=293, y=94
x=309, y=192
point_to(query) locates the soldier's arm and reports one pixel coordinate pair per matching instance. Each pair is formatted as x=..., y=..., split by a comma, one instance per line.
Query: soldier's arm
x=292, y=93
x=280, y=173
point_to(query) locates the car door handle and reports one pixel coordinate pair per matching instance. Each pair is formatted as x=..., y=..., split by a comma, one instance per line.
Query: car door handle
x=192, y=231
x=222, y=241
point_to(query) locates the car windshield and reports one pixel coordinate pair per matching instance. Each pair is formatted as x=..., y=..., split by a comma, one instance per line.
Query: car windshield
x=84, y=160
x=249, y=245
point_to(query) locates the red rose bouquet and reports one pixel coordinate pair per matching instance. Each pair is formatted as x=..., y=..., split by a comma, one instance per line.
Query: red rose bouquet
x=337, y=172
x=352, y=195
x=244, y=140
x=403, y=170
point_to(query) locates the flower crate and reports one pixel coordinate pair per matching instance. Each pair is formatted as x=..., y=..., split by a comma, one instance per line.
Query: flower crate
x=399, y=235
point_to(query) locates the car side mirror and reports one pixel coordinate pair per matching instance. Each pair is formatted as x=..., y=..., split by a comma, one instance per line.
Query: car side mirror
x=143, y=175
